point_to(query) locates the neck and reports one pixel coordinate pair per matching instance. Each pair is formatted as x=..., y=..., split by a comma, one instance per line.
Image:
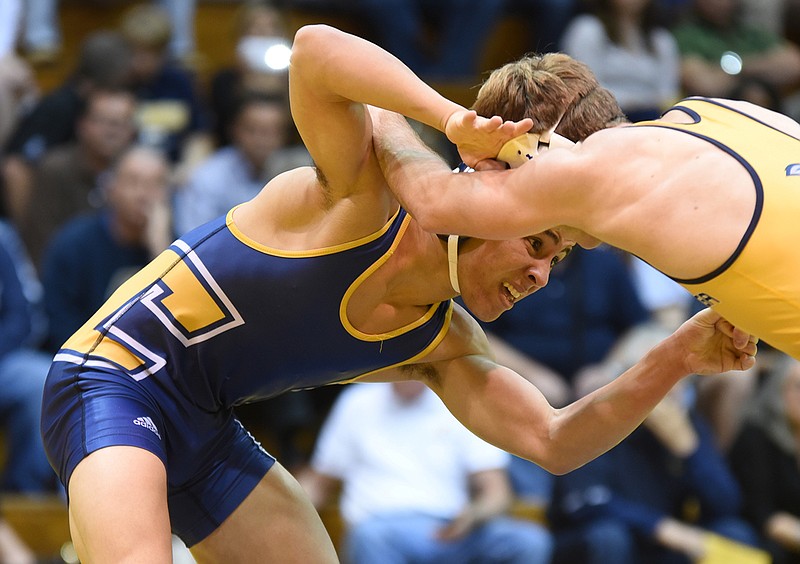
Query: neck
x=420, y=273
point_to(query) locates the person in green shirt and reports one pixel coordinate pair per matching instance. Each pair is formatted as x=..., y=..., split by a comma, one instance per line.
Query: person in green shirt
x=724, y=55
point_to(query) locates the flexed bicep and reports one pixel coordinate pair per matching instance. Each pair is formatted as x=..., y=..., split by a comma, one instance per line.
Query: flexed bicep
x=336, y=130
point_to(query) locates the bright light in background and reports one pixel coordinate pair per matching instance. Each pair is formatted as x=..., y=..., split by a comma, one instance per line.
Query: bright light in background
x=265, y=54
x=731, y=62
x=277, y=57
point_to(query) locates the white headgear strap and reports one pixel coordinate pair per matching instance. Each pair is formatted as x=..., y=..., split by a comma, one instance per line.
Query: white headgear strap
x=452, y=261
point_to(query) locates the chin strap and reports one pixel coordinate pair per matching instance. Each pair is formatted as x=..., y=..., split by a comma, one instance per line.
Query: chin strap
x=452, y=261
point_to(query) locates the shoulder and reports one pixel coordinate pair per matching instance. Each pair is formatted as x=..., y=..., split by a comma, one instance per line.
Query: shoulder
x=465, y=337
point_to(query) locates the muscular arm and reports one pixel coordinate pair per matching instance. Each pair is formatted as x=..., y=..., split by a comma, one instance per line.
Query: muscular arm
x=504, y=409
x=332, y=74
x=488, y=204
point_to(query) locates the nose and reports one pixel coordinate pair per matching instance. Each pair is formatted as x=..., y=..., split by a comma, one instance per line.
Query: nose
x=539, y=274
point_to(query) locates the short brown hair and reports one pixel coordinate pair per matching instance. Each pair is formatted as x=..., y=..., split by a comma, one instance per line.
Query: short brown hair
x=548, y=87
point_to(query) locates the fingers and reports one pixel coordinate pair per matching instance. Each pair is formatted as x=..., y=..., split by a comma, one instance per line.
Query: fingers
x=747, y=361
x=741, y=339
x=520, y=127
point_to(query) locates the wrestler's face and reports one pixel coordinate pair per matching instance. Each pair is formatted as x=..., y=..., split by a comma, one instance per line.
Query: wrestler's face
x=494, y=275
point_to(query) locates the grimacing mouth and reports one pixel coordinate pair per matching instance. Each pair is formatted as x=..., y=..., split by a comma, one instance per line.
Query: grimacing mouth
x=512, y=292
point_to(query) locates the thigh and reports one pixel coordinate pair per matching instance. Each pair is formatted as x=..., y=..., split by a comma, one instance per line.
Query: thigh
x=275, y=523
x=118, y=507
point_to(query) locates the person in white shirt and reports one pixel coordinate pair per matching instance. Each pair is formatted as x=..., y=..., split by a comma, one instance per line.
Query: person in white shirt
x=416, y=485
x=631, y=55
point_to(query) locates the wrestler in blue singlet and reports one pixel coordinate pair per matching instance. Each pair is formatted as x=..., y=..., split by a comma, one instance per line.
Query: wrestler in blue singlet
x=215, y=321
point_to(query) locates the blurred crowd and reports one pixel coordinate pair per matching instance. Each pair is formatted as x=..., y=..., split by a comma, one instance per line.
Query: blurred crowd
x=135, y=147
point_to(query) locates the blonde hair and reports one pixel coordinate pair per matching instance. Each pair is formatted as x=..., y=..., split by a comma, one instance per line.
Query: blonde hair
x=548, y=88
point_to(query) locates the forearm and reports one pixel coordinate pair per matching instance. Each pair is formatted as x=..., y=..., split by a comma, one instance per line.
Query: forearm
x=424, y=184
x=419, y=178
x=599, y=421
x=354, y=69
x=501, y=407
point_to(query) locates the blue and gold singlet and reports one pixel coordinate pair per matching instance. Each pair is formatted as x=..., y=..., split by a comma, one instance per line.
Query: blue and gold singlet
x=215, y=321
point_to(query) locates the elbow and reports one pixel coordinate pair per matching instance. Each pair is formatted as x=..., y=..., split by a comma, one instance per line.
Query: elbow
x=553, y=464
x=428, y=211
x=310, y=44
x=557, y=467
x=426, y=217
x=555, y=460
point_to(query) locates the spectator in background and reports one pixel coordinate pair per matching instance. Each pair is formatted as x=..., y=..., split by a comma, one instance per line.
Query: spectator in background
x=237, y=172
x=765, y=459
x=66, y=181
x=259, y=31
x=437, y=40
x=171, y=115
x=664, y=495
x=23, y=369
x=417, y=486
x=40, y=34
x=631, y=55
x=103, y=62
x=10, y=17
x=18, y=92
x=93, y=254
x=35, y=25
x=181, y=15
x=725, y=56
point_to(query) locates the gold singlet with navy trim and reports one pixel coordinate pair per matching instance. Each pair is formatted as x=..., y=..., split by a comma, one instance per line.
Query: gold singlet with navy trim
x=758, y=287
x=227, y=321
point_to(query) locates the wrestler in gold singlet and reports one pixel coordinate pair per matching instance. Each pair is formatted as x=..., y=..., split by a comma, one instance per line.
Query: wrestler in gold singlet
x=758, y=287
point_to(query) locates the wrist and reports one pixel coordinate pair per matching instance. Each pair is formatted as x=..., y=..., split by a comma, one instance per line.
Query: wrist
x=669, y=359
x=448, y=115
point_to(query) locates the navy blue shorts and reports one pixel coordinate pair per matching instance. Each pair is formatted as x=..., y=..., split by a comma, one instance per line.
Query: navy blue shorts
x=212, y=462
